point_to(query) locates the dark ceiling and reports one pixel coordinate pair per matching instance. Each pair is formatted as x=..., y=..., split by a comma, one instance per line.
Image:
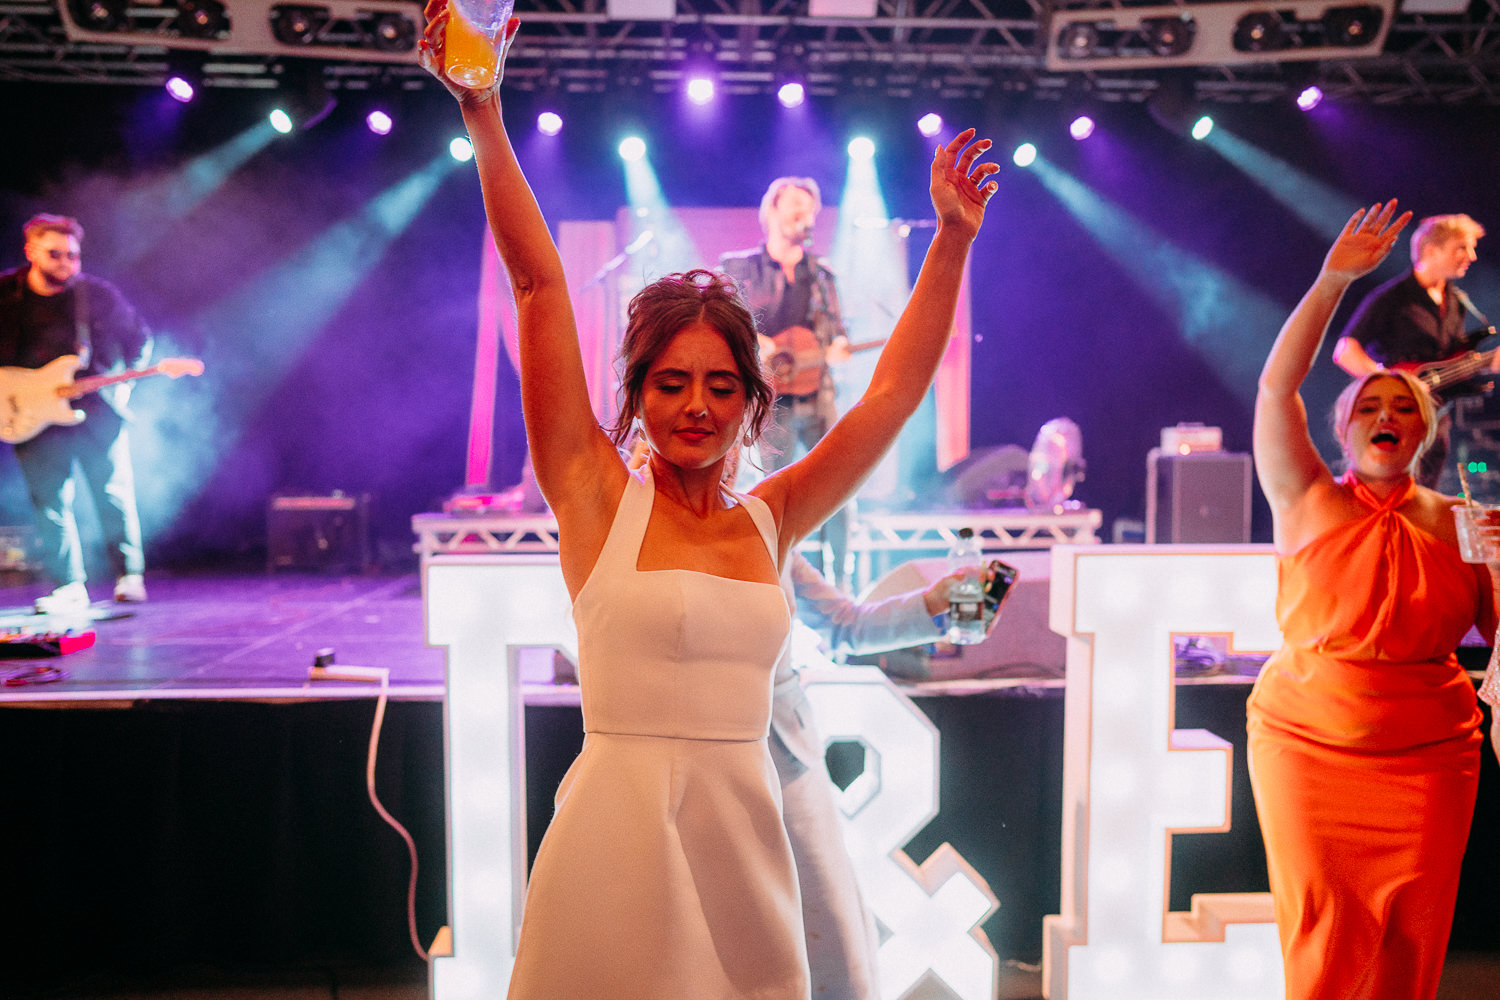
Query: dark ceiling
x=947, y=49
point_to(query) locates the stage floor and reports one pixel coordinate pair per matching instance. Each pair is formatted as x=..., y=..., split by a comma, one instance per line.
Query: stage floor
x=249, y=636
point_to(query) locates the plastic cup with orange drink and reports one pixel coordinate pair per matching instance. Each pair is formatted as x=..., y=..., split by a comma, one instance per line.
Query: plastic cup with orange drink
x=469, y=51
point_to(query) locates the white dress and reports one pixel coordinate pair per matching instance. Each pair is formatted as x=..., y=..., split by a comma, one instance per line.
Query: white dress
x=666, y=871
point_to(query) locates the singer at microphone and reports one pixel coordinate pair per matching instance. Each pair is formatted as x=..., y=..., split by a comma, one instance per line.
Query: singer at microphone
x=791, y=292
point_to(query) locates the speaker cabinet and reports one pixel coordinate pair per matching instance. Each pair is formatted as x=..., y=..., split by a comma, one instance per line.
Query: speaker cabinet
x=324, y=533
x=1201, y=497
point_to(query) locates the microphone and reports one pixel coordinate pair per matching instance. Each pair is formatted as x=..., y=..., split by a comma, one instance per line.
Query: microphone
x=639, y=243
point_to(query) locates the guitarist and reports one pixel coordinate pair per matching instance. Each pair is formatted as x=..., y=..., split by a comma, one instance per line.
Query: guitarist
x=791, y=293
x=1419, y=317
x=48, y=309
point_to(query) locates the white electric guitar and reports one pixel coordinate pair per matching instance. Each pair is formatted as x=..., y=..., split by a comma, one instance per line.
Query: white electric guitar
x=33, y=399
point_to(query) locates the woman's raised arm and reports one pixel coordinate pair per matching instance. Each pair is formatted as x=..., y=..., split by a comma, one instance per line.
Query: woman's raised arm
x=1286, y=460
x=808, y=491
x=567, y=445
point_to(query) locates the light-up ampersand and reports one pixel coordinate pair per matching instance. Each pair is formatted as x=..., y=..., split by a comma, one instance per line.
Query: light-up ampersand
x=1130, y=779
x=932, y=911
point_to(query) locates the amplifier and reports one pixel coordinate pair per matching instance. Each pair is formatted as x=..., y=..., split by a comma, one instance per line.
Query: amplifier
x=1203, y=497
x=323, y=532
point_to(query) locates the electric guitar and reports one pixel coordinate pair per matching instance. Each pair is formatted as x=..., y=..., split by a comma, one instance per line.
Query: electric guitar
x=1453, y=377
x=796, y=359
x=33, y=399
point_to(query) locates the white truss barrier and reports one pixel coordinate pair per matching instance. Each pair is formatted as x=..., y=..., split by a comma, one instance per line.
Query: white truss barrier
x=1130, y=779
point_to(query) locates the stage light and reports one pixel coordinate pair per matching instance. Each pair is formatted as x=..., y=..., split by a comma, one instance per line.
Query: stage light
x=700, y=88
x=861, y=148
x=632, y=148
x=280, y=121
x=1202, y=127
x=184, y=74
x=1259, y=31
x=1310, y=97
x=930, y=124
x=1170, y=36
x=1078, y=40
x=461, y=150
x=298, y=25
x=1081, y=128
x=791, y=94
x=200, y=19
x=392, y=32
x=1025, y=155
x=379, y=122
x=549, y=123
x=1217, y=33
x=1351, y=27
x=98, y=15
x=180, y=89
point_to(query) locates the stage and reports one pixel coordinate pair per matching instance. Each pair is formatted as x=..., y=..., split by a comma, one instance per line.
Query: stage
x=186, y=812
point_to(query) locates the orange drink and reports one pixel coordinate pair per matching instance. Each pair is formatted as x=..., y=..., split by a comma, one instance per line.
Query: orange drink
x=469, y=55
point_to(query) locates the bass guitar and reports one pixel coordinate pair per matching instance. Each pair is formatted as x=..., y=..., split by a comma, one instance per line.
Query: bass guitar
x=33, y=399
x=1455, y=376
x=796, y=359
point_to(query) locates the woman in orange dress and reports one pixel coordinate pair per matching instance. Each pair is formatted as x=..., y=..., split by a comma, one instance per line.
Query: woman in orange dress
x=1364, y=730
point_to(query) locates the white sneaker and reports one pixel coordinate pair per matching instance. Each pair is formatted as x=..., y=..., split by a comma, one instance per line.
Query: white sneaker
x=130, y=589
x=70, y=598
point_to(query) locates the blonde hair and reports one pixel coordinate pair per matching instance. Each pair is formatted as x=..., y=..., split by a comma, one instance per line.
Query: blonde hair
x=1435, y=230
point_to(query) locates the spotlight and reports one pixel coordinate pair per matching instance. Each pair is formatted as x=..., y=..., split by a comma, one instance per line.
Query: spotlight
x=1351, y=26
x=791, y=94
x=1078, y=40
x=298, y=25
x=98, y=15
x=1310, y=97
x=461, y=150
x=280, y=120
x=861, y=148
x=632, y=148
x=1025, y=155
x=200, y=19
x=180, y=89
x=1259, y=31
x=305, y=97
x=700, y=89
x=379, y=122
x=549, y=123
x=1169, y=36
x=930, y=124
x=1081, y=128
x=1202, y=127
x=184, y=74
x=392, y=32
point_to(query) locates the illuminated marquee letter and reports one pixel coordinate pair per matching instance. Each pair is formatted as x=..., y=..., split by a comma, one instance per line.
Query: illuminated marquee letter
x=932, y=912
x=484, y=614
x=1130, y=779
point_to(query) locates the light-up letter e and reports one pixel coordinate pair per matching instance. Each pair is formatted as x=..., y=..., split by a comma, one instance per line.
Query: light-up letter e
x=1130, y=780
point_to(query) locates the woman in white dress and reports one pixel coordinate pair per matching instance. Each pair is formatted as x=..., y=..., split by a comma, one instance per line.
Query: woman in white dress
x=666, y=870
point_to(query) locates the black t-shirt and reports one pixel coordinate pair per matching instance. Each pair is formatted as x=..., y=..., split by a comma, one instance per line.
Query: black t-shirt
x=1398, y=322
x=36, y=329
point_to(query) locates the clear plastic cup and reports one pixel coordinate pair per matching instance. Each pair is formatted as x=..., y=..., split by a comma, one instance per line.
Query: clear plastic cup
x=470, y=55
x=1475, y=543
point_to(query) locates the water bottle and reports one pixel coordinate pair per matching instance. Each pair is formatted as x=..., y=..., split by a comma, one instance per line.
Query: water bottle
x=966, y=596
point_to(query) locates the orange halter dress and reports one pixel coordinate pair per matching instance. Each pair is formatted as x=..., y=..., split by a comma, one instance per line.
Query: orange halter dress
x=1364, y=737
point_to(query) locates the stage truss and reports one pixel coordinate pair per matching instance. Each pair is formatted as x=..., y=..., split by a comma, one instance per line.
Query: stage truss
x=945, y=49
